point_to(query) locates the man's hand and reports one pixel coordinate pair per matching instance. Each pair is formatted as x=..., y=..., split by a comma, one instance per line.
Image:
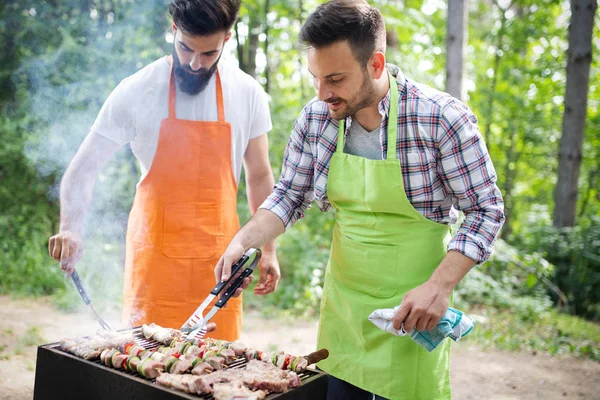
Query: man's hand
x=66, y=247
x=269, y=273
x=232, y=254
x=422, y=308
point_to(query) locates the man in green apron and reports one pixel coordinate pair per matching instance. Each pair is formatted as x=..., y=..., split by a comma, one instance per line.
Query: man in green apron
x=396, y=160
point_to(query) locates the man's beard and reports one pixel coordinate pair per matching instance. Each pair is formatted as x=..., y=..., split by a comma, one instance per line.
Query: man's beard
x=190, y=81
x=362, y=99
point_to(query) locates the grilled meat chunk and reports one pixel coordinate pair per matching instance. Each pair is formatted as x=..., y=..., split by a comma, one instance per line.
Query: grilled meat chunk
x=187, y=383
x=226, y=391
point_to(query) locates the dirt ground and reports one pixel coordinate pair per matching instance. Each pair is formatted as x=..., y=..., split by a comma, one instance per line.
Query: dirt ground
x=476, y=374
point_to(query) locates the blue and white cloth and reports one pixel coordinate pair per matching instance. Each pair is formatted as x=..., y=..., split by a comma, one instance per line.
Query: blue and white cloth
x=454, y=324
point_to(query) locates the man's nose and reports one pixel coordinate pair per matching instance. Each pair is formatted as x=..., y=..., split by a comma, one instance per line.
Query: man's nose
x=195, y=63
x=323, y=92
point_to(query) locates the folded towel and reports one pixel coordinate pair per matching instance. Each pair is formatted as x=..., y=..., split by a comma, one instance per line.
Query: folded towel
x=454, y=324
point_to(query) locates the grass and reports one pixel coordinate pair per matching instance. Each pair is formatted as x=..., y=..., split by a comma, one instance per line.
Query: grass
x=31, y=337
x=4, y=356
x=551, y=332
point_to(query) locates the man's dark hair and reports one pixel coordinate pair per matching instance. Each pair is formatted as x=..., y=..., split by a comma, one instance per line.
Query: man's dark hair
x=204, y=17
x=353, y=20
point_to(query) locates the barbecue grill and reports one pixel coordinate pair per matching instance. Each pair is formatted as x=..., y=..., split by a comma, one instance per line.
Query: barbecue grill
x=61, y=375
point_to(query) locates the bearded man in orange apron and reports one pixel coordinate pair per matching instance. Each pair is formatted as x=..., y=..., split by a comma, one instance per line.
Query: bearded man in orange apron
x=395, y=159
x=191, y=119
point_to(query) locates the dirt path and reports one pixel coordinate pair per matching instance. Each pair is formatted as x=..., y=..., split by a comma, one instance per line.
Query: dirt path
x=476, y=374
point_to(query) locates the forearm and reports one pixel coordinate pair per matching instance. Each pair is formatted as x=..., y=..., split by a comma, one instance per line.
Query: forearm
x=451, y=271
x=75, y=195
x=77, y=185
x=262, y=228
x=257, y=191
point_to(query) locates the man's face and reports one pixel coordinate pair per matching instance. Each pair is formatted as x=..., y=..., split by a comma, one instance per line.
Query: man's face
x=339, y=79
x=195, y=59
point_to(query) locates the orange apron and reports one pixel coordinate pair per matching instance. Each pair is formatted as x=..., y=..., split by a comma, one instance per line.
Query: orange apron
x=182, y=219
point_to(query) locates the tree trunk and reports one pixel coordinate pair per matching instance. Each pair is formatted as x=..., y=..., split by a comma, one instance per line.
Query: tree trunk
x=579, y=58
x=266, y=48
x=240, y=47
x=391, y=37
x=496, y=70
x=251, y=46
x=510, y=177
x=456, y=38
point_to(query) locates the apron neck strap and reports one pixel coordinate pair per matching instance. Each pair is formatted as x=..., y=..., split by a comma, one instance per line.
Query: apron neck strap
x=172, y=94
x=392, y=127
x=392, y=122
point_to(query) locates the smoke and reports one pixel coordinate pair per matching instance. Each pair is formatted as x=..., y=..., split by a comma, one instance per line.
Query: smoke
x=67, y=86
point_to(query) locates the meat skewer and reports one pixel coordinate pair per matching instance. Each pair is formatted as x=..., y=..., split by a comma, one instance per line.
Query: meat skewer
x=287, y=361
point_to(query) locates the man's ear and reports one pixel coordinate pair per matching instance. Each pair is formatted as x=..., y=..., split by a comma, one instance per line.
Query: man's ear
x=228, y=36
x=173, y=27
x=376, y=64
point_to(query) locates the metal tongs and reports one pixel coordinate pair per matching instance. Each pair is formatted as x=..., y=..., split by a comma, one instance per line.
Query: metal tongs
x=87, y=300
x=195, y=326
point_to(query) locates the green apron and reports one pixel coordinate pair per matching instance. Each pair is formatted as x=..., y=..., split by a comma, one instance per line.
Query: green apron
x=382, y=248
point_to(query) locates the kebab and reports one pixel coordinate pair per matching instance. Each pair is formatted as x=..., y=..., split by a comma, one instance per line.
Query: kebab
x=91, y=348
x=286, y=361
x=161, y=335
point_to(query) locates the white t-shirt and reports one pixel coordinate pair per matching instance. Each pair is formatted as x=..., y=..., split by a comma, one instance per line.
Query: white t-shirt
x=134, y=110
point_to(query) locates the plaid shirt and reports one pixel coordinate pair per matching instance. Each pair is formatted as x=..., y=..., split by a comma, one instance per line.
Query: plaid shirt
x=445, y=164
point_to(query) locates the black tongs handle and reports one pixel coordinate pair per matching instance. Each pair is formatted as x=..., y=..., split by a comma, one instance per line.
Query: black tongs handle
x=238, y=281
x=234, y=270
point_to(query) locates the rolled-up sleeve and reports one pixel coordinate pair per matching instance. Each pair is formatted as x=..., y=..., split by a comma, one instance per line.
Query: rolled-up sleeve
x=468, y=174
x=294, y=192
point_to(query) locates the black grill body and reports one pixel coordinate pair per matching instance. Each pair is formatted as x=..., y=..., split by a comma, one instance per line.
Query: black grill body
x=60, y=375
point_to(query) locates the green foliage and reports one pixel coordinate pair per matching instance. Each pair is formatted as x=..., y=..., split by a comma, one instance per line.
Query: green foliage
x=303, y=254
x=69, y=56
x=511, y=296
x=551, y=332
x=575, y=253
x=27, y=218
x=508, y=281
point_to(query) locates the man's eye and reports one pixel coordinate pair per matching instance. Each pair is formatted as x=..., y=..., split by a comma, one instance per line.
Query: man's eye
x=336, y=81
x=187, y=50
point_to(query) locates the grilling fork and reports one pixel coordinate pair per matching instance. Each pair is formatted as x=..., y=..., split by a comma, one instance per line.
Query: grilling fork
x=87, y=300
x=195, y=326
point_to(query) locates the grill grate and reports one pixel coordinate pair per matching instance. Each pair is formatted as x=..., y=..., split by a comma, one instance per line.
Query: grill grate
x=313, y=383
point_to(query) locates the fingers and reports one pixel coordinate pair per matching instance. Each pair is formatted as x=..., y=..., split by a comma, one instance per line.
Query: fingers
x=56, y=249
x=231, y=256
x=65, y=247
x=264, y=275
x=226, y=268
x=275, y=276
x=422, y=323
x=413, y=317
x=219, y=270
x=243, y=286
x=431, y=324
x=269, y=276
x=211, y=327
x=51, y=246
x=422, y=319
x=401, y=315
x=64, y=259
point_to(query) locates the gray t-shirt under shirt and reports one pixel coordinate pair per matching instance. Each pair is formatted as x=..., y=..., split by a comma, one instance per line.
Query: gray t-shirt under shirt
x=362, y=143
